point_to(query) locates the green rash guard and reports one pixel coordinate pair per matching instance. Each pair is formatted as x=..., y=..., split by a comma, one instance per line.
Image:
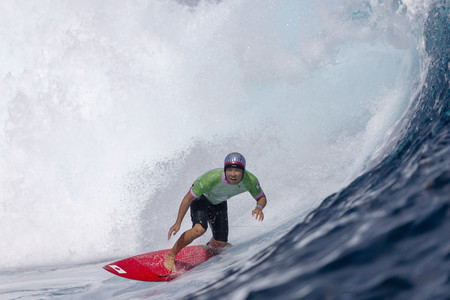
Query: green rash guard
x=214, y=187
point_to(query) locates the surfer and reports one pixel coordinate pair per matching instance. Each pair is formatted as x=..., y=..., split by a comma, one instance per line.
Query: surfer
x=207, y=200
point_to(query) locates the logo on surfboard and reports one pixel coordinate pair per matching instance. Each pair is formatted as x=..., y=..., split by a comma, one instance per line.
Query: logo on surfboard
x=117, y=269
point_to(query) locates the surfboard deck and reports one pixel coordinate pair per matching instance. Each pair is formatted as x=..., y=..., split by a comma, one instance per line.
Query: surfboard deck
x=150, y=266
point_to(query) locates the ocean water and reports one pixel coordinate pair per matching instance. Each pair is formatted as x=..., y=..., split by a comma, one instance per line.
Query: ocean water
x=109, y=110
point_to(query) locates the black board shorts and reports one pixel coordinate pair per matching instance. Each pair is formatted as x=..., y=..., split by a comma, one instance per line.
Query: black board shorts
x=204, y=212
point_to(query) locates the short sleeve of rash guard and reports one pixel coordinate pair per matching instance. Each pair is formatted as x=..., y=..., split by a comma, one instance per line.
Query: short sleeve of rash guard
x=206, y=182
x=253, y=186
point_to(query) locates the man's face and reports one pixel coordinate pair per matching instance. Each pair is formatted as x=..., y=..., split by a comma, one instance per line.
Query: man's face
x=233, y=175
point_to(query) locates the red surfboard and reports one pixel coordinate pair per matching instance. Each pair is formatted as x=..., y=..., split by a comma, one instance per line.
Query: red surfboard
x=150, y=266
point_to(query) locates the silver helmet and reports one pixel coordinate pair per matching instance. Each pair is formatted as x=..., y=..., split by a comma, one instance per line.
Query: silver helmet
x=235, y=160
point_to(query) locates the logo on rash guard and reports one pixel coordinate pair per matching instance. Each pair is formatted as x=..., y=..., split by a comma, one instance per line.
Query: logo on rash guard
x=258, y=186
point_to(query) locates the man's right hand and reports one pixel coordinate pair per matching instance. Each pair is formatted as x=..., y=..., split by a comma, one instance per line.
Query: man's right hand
x=173, y=230
x=184, y=206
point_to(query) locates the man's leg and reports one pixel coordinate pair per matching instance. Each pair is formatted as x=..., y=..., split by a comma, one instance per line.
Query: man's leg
x=199, y=217
x=218, y=219
x=185, y=239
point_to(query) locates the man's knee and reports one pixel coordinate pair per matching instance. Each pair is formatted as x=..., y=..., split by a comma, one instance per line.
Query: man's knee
x=198, y=230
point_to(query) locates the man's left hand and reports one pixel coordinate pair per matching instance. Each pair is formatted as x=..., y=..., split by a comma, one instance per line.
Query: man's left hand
x=258, y=214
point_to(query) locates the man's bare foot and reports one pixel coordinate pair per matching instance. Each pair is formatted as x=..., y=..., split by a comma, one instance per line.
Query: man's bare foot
x=216, y=247
x=169, y=262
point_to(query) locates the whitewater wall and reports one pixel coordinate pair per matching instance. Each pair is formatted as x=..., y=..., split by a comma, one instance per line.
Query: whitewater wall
x=108, y=112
